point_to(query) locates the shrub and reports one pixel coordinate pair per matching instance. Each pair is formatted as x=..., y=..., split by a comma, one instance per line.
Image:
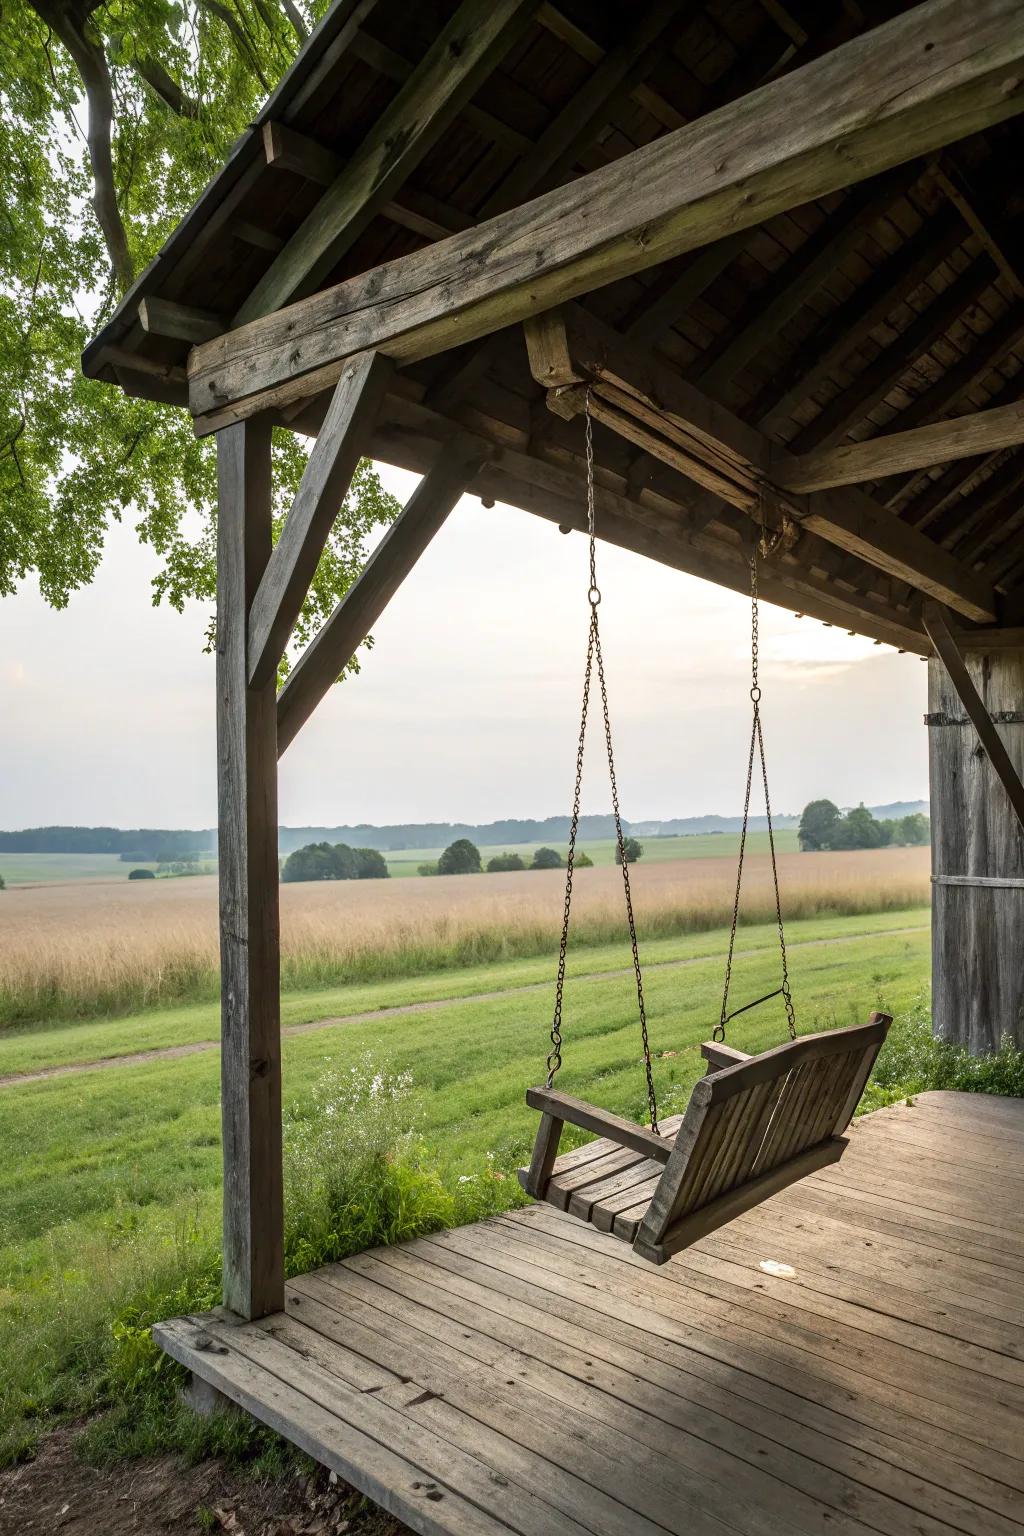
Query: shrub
x=427, y=869
x=141, y=874
x=583, y=861
x=502, y=863
x=546, y=858
x=3, y=883
x=460, y=858
x=633, y=849
x=913, y=1061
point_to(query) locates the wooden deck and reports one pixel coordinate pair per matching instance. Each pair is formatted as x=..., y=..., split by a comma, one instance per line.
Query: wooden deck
x=847, y=1358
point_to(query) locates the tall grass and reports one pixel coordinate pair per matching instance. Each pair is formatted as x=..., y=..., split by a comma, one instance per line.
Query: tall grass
x=357, y=1175
x=69, y=955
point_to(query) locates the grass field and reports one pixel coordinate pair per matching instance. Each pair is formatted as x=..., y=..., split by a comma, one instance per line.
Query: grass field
x=63, y=868
x=77, y=951
x=109, y=1183
x=657, y=850
x=396, y=1122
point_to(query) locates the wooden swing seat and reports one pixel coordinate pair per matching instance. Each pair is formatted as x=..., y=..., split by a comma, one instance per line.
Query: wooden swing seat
x=754, y=1125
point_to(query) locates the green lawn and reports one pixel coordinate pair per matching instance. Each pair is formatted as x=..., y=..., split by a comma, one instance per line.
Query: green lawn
x=59, y=868
x=86, y=1158
x=708, y=845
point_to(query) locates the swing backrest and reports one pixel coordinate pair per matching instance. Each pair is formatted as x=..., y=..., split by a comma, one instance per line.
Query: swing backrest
x=752, y=1128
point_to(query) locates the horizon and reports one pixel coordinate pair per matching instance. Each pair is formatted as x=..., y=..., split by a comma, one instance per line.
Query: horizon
x=469, y=700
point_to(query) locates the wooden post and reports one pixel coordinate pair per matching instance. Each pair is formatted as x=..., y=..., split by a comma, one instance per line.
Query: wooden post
x=249, y=926
x=977, y=855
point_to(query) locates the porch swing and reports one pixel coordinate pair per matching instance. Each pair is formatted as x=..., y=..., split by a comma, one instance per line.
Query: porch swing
x=754, y=1124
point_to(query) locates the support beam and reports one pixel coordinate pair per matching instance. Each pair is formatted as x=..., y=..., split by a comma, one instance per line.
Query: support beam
x=946, y=648
x=180, y=322
x=322, y=490
x=327, y=655
x=462, y=55
x=932, y=75
x=739, y=458
x=248, y=883
x=957, y=438
x=553, y=487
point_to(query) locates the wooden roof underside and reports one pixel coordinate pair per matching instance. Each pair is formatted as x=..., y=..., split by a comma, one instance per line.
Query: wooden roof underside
x=894, y=304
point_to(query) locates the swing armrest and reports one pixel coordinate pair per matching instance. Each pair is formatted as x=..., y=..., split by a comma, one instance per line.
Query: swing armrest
x=625, y=1133
x=718, y=1056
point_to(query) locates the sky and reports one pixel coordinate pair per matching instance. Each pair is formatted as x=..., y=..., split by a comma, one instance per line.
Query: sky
x=467, y=707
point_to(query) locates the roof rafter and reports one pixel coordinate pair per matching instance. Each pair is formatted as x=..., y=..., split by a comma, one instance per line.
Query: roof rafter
x=892, y=94
x=462, y=56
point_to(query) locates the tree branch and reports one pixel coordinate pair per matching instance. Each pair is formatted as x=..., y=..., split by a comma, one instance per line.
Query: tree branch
x=248, y=53
x=166, y=87
x=294, y=15
x=91, y=63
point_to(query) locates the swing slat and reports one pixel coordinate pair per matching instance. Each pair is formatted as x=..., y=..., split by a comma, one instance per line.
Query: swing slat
x=754, y=1125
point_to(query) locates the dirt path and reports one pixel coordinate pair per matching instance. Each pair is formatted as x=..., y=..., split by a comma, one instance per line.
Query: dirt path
x=164, y=1496
x=197, y=1047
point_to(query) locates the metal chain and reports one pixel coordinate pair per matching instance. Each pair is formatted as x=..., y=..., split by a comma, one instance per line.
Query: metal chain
x=594, y=652
x=756, y=744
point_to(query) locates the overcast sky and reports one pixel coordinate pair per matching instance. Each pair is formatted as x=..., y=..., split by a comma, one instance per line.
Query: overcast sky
x=467, y=707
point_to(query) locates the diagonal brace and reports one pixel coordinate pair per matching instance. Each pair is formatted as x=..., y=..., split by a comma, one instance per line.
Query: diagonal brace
x=332, y=649
x=325, y=482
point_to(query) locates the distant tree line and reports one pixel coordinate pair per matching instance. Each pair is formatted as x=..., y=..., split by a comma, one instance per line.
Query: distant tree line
x=143, y=845
x=824, y=826
x=463, y=858
x=334, y=861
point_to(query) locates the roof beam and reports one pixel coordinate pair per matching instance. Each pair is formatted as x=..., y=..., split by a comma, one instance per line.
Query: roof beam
x=737, y=459
x=957, y=438
x=414, y=437
x=947, y=649
x=461, y=57
x=934, y=74
x=332, y=462
x=330, y=651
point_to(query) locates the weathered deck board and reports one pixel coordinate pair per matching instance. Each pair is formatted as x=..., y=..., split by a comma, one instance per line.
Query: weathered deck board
x=530, y=1375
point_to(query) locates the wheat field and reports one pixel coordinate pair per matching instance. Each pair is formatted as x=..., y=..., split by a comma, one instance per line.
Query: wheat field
x=78, y=950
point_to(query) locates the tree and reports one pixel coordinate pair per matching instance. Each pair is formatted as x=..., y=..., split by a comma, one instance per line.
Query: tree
x=316, y=861
x=460, y=858
x=583, y=861
x=914, y=829
x=141, y=874
x=546, y=858
x=3, y=883
x=370, y=864
x=345, y=862
x=633, y=849
x=817, y=825
x=114, y=118
x=427, y=869
x=503, y=863
x=857, y=829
